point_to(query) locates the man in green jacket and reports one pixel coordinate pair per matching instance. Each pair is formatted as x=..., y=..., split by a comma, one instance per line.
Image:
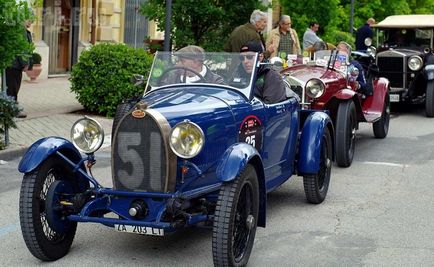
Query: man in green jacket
x=251, y=31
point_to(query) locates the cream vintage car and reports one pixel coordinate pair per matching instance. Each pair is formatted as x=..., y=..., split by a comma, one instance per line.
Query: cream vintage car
x=405, y=57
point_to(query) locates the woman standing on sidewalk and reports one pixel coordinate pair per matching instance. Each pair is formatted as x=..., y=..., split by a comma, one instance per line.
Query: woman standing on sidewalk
x=14, y=74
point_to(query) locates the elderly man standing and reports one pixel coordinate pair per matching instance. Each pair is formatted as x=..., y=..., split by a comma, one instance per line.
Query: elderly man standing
x=283, y=40
x=364, y=32
x=251, y=31
x=310, y=37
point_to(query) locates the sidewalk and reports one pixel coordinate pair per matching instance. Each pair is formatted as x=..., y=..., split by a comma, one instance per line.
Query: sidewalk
x=50, y=107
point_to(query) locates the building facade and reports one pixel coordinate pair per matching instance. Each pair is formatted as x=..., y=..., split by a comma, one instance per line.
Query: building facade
x=63, y=28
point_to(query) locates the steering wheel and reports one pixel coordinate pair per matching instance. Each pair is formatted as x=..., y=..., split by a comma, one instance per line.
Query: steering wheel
x=176, y=68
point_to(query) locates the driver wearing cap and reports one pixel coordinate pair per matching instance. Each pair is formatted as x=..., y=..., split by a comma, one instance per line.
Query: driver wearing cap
x=269, y=86
x=191, y=60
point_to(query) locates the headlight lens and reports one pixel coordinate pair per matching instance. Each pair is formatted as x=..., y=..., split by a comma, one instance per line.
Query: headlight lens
x=87, y=135
x=415, y=63
x=186, y=139
x=368, y=41
x=315, y=88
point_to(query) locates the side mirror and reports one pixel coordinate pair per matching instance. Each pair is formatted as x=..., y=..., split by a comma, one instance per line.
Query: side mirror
x=138, y=79
x=276, y=63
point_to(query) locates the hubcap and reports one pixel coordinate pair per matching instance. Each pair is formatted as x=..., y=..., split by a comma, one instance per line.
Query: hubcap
x=250, y=222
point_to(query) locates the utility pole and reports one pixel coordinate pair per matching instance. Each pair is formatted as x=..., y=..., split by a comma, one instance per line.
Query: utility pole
x=93, y=24
x=167, y=26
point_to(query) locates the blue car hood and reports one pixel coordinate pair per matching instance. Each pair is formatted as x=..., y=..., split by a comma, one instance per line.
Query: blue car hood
x=198, y=104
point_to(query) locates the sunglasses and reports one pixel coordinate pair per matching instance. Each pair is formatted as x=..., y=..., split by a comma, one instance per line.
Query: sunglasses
x=248, y=57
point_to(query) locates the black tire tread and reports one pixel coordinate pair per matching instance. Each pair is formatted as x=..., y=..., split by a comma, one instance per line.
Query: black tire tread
x=225, y=203
x=343, y=159
x=429, y=99
x=380, y=129
x=27, y=221
x=310, y=181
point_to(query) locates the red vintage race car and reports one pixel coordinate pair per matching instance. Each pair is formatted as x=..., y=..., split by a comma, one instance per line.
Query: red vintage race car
x=329, y=83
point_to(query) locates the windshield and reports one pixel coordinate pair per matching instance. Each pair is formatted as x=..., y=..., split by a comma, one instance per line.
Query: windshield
x=221, y=69
x=405, y=37
x=332, y=59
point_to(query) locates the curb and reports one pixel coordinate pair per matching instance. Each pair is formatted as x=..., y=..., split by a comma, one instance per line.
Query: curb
x=12, y=153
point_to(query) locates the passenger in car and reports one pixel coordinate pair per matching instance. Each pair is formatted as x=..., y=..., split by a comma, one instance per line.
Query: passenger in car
x=269, y=86
x=192, y=57
x=345, y=48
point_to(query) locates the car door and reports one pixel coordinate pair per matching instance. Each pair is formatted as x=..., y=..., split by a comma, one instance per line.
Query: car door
x=279, y=141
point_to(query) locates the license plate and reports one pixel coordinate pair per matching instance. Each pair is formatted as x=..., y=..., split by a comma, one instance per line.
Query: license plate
x=394, y=98
x=141, y=230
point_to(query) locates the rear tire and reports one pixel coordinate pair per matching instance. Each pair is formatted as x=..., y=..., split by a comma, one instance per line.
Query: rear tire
x=429, y=100
x=346, y=123
x=235, y=220
x=316, y=185
x=42, y=241
x=381, y=127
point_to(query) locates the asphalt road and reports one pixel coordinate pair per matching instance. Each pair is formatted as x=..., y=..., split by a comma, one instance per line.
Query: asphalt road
x=378, y=212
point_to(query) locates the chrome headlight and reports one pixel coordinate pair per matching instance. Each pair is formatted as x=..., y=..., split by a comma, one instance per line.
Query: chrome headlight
x=315, y=88
x=87, y=135
x=415, y=63
x=368, y=41
x=186, y=139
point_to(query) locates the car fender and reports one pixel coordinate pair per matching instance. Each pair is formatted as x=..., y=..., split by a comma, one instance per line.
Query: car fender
x=233, y=162
x=44, y=148
x=311, y=141
x=429, y=70
x=344, y=94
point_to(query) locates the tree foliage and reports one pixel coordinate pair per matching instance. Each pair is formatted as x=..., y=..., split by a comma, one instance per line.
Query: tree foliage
x=334, y=15
x=12, y=31
x=207, y=23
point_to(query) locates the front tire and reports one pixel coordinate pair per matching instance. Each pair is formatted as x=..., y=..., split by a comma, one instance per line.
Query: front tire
x=316, y=185
x=429, y=100
x=42, y=241
x=381, y=127
x=346, y=124
x=235, y=220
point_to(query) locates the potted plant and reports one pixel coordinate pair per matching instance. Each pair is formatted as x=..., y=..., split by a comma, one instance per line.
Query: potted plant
x=37, y=67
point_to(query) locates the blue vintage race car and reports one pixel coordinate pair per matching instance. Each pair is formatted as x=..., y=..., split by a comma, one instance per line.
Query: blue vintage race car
x=191, y=151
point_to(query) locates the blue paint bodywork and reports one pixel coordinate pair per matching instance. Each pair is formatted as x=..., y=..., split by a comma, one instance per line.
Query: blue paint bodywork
x=44, y=148
x=286, y=147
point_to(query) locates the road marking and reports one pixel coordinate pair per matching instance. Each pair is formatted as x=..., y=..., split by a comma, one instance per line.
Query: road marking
x=8, y=229
x=387, y=164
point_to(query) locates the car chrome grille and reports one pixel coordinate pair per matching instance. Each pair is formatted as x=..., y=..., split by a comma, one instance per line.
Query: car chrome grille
x=392, y=68
x=140, y=158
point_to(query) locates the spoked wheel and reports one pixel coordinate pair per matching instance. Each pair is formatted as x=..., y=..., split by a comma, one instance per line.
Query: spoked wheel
x=346, y=124
x=316, y=185
x=235, y=220
x=381, y=127
x=429, y=100
x=41, y=239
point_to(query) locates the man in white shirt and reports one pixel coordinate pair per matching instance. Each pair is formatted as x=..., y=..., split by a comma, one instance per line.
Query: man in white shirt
x=310, y=37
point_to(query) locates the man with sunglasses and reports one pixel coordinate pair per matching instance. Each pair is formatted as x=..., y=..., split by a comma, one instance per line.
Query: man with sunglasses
x=269, y=86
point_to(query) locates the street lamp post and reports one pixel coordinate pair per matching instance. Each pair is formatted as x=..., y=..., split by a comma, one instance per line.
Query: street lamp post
x=167, y=26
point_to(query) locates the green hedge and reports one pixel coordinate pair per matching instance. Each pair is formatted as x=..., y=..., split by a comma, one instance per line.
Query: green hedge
x=8, y=111
x=102, y=77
